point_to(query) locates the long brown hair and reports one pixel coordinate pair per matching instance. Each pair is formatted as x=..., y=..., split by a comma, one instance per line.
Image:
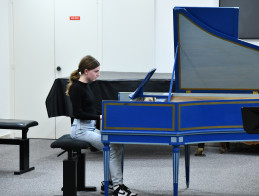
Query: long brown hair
x=88, y=62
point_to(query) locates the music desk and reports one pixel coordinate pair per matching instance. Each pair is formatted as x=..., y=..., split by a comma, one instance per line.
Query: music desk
x=176, y=123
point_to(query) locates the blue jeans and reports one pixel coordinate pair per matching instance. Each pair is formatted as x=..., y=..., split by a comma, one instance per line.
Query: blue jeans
x=85, y=130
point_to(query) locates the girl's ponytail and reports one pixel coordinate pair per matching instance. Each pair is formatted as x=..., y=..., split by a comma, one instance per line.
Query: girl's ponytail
x=74, y=76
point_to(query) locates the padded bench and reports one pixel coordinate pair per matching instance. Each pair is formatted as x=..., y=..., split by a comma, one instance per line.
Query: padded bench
x=23, y=142
x=73, y=166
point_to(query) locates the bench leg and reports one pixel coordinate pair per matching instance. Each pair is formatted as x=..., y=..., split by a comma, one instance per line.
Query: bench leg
x=24, y=157
x=81, y=174
x=74, y=175
x=69, y=178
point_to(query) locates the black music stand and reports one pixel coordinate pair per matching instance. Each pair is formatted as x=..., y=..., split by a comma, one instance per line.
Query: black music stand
x=250, y=117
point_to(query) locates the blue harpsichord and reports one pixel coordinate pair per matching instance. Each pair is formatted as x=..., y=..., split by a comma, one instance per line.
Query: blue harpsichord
x=214, y=78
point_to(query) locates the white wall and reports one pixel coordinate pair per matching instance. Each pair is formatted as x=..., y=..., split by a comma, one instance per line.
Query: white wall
x=128, y=35
x=4, y=63
x=34, y=68
x=140, y=37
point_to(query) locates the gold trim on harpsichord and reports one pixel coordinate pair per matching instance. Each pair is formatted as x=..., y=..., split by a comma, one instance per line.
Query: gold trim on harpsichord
x=209, y=103
x=141, y=128
x=211, y=127
x=179, y=59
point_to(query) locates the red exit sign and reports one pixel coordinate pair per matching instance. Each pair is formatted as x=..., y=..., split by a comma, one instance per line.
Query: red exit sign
x=74, y=17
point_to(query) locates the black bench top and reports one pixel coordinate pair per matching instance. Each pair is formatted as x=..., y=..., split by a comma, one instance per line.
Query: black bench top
x=17, y=124
x=65, y=142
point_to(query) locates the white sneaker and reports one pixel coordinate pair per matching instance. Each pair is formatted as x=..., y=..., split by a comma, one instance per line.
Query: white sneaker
x=122, y=190
x=110, y=187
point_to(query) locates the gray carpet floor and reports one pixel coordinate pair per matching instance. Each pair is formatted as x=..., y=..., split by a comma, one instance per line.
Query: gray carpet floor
x=147, y=170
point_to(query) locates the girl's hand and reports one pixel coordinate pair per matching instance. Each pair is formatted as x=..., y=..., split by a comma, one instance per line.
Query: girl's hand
x=101, y=117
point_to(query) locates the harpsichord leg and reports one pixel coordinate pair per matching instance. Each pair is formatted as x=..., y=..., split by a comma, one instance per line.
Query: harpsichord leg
x=176, y=153
x=106, y=158
x=187, y=164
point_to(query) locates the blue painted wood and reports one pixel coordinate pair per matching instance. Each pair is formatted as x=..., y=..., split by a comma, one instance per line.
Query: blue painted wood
x=106, y=158
x=224, y=20
x=172, y=80
x=176, y=155
x=213, y=114
x=138, y=116
x=223, y=123
x=166, y=117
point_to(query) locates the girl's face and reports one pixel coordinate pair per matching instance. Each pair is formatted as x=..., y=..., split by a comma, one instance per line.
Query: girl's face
x=93, y=74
